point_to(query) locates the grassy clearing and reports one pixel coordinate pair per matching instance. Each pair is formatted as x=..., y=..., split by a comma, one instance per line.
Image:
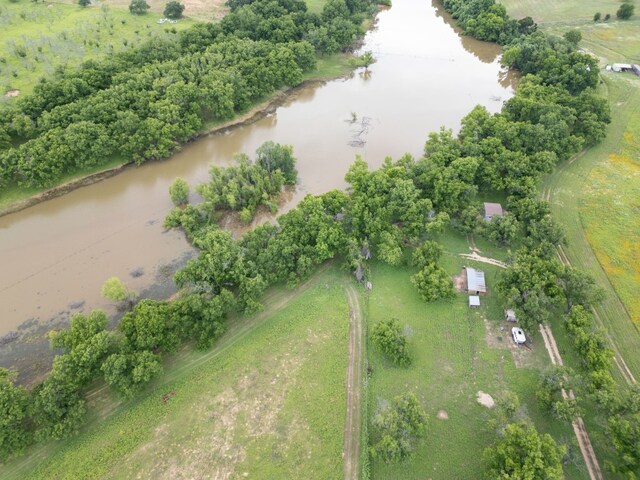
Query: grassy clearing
x=456, y=353
x=550, y=11
x=35, y=39
x=267, y=402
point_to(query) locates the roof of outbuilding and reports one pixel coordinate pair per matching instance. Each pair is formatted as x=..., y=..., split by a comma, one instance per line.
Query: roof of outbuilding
x=475, y=280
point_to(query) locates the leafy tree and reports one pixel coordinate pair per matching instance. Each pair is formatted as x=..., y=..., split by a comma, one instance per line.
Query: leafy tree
x=128, y=372
x=625, y=11
x=387, y=335
x=397, y=428
x=84, y=3
x=573, y=36
x=58, y=409
x=607, y=17
x=579, y=288
x=173, y=10
x=522, y=452
x=433, y=283
x=14, y=429
x=138, y=7
x=86, y=344
x=179, y=192
x=502, y=230
x=367, y=59
x=198, y=317
x=597, y=16
x=273, y=156
x=428, y=252
x=149, y=327
x=115, y=290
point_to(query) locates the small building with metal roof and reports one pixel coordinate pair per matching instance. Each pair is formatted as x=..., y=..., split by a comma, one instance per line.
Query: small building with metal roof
x=492, y=210
x=475, y=281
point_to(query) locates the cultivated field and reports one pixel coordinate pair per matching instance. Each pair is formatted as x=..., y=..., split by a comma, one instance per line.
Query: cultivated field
x=268, y=402
x=457, y=352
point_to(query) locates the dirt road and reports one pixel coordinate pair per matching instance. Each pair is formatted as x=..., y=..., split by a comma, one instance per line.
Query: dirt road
x=353, y=421
x=595, y=473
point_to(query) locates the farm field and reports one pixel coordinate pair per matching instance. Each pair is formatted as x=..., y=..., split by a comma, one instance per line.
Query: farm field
x=38, y=38
x=605, y=177
x=267, y=402
x=457, y=352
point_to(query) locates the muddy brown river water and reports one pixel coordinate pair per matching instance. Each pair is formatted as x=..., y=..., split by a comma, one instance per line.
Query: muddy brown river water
x=55, y=256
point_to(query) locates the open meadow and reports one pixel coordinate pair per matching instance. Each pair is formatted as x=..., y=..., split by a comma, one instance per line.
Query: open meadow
x=457, y=352
x=267, y=402
x=38, y=38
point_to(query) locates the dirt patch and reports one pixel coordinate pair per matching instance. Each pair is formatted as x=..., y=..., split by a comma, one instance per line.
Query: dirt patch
x=485, y=399
x=479, y=258
x=496, y=337
x=442, y=415
x=460, y=281
x=12, y=93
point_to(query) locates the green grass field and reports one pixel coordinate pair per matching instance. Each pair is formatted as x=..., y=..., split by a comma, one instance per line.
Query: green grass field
x=457, y=352
x=37, y=38
x=267, y=402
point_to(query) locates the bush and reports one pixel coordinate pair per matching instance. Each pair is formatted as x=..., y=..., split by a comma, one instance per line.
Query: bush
x=625, y=11
x=138, y=7
x=179, y=192
x=173, y=10
x=388, y=337
x=597, y=17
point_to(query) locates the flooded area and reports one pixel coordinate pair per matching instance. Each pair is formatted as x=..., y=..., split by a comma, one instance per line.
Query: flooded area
x=56, y=255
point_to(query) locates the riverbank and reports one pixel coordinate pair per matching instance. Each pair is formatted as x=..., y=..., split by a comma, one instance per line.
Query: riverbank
x=254, y=114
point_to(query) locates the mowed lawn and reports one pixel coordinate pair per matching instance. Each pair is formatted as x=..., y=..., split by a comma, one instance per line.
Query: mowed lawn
x=456, y=352
x=270, y=404
x=36, y=38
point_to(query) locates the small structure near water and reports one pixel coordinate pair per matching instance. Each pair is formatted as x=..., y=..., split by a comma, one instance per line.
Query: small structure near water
x=492, y=210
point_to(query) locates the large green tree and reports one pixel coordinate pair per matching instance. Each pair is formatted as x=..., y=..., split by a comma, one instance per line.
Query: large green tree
x=522, y=453
x=14, y=430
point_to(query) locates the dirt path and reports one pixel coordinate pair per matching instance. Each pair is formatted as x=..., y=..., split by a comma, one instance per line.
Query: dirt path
x=621, y=365
x=578, y=425
x=351, y=450
x=479, y=258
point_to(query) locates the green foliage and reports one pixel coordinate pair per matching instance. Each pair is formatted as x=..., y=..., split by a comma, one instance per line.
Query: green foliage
x=522, y=452
x=573, y=36
x=57, y=408
x=179, y=192
x=502, y=230
x=248, y=185
x=149, y=327
x=173, y=10
x=626, y=10
x=433, y=283
x=127, y=372
x=138, y=7
x=597, y=16
x=387, y=335
x=84, y=3
x=14, y=429
x=397, y=427
x=201, y=318
x=115, y=290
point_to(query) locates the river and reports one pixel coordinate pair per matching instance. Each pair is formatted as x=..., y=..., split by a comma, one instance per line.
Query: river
x=56, y=255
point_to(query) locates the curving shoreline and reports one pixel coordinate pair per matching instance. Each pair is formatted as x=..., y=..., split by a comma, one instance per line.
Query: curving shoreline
x=256, y=113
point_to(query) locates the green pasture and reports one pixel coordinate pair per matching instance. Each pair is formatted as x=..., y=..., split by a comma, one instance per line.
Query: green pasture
x=456, y=352
x=37, y=38
x=267, y=402
x=565, y=11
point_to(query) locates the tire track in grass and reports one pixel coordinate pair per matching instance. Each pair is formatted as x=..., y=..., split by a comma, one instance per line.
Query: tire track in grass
x=353, y=422
x=593, y=467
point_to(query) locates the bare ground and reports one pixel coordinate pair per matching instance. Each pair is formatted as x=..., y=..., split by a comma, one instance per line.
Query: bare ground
x=595, y=473
x=351, y=451
x=479, y=258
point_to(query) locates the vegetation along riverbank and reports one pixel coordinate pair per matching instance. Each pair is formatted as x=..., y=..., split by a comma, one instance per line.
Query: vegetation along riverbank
x=447, y=393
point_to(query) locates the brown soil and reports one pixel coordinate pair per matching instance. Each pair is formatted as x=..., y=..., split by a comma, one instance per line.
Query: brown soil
x=459, y=281
x=12, y=93
x=351, y=451
x=442, y=415
x=478, y=258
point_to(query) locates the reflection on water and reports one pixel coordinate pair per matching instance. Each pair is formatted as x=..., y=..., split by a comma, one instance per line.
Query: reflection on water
x=425, y=76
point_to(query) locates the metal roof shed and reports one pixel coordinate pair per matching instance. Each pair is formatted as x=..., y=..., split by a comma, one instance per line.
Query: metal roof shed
x=475, y=281
x=474, y=301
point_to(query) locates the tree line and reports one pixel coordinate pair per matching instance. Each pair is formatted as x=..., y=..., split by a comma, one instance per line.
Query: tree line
x=141, y=104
